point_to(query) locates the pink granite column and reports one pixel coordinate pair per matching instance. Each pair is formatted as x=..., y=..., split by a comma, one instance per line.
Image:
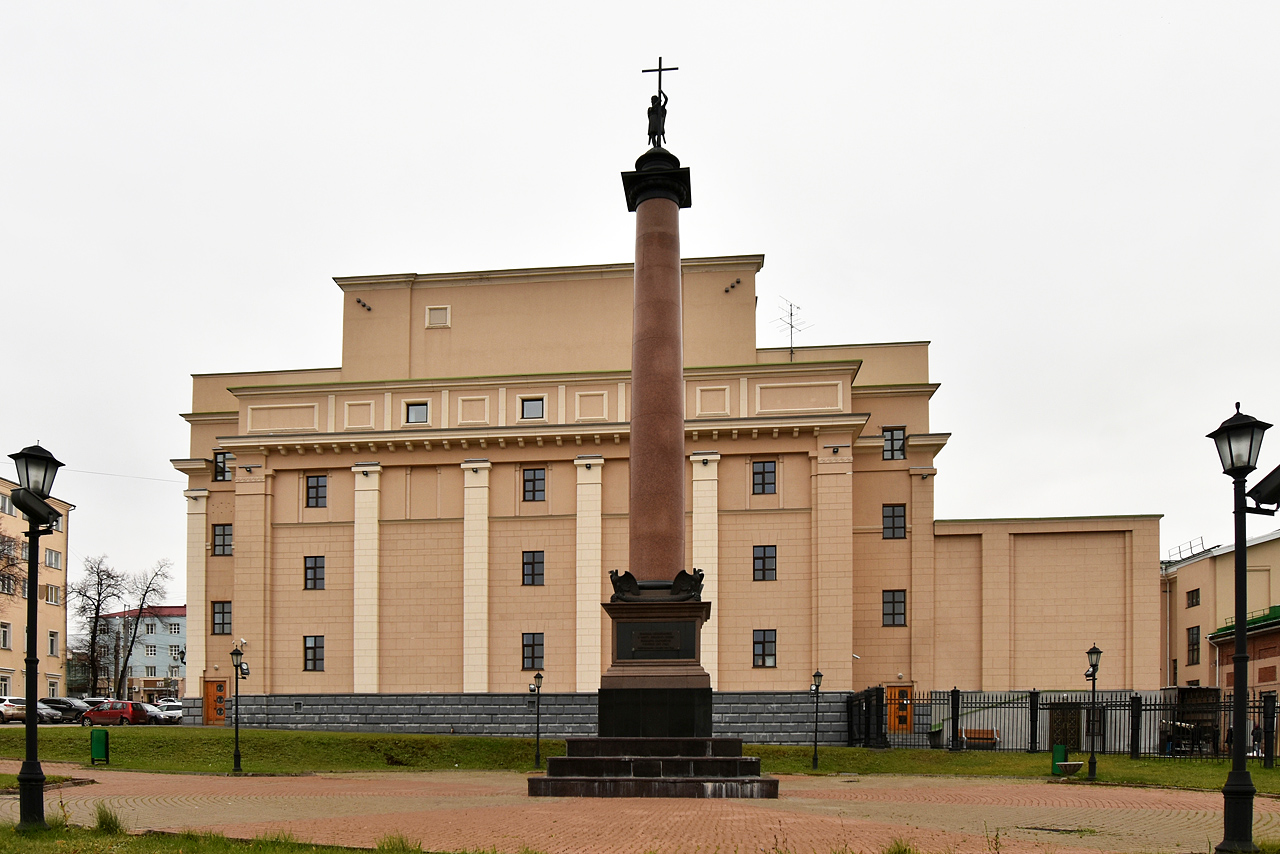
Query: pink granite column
x=657, y=396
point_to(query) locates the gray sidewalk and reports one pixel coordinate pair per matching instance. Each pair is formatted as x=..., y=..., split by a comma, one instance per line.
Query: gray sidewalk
x=469, y=811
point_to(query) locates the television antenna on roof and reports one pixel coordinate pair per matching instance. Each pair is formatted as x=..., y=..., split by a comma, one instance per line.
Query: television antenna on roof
x=790, y=322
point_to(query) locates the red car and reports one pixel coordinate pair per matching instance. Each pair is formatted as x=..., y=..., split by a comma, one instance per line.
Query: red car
x=121, y=712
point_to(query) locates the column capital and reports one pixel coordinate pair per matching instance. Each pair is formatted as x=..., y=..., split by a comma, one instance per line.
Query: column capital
x=589, y=461
x=706, y=465
x=365, y=468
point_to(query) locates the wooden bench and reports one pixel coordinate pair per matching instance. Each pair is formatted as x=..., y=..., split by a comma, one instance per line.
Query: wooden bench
x=979, y=739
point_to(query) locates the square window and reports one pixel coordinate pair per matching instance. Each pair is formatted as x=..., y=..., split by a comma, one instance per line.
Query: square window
x=895, y=607
x=52, y=559
x=174, y=650
x=175, y=670
x=222, y=539
x=313, y=652
x=313, y=573
x=437, y=316
x=895, y=521
x=531, y=642
x=317, y=490
x=765, y=560
x=764, y=651
x=416, y=413
x=221, y=469
x=535, y=484
x=221, y=618
x=1193, y=598
x=895, y=443
x=764, y=477
x=532, y=569
x=149, y=650
x=532, y=408
x=151, y=670
x=1193, y=645
x=53, y=594
x=175, y=629
x=148, y=628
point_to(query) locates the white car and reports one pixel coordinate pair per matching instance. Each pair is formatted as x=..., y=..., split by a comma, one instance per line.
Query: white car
x=170, y=713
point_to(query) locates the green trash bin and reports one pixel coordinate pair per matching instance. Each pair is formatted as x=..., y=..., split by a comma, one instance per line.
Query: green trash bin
x=1059, y=755
x=99, y=746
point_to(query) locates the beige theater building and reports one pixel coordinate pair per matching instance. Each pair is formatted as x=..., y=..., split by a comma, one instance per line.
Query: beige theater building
x=440, y=513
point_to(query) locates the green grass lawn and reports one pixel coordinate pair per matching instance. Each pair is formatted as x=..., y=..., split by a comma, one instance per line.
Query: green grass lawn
x=209, y=749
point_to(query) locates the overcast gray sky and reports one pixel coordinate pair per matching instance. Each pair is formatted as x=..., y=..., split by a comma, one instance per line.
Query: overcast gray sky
x=1078, y=204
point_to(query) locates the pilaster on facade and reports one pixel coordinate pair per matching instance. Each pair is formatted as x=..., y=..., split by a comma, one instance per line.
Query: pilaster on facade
x=997, y=612
x=366, y=558
x=197, y=604
x=589, y=572
x=252, y=577
x=832, y=537
x=706, y=551
x=923, y=595
x=475, y=576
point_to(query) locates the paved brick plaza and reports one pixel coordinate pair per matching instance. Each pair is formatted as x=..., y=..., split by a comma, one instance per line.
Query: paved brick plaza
x=456, y=811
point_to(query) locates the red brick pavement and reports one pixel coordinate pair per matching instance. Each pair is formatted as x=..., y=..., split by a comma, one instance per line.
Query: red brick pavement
x=469, y=811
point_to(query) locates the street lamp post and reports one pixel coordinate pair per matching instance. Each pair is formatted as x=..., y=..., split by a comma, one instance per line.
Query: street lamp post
x=1095, y=655
x=36, y=471
x=1239, y=439
x=536, y=690
x=237, y=656
x=815, y=687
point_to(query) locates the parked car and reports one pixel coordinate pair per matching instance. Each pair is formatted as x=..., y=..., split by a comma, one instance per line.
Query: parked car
x=70, y=707
x=172, y=712
x=96, y=701
x=13, y=709
x=47, y=714
x=123, y=712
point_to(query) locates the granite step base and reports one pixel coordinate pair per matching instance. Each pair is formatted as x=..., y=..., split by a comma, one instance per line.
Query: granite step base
x=653, y=787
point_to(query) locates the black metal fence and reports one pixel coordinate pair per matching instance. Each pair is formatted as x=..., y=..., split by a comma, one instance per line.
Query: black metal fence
x=1154, y=723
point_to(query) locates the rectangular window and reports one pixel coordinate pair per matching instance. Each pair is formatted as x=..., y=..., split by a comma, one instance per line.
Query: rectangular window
x=317, y=490
x=532, y=569
x=149, y=650
x=5, y=688
x=53, y=643
x=532, y=646
x=24, y=588
x=313, y=652
x=53, y=689
x=764, y=477
x=1193, y=645
x=895, y=443
x=533, y=408
x=765, y=560
x=1193, y=598
x=415, y=413
x=151, y=670
x=6, y=584
x=175, y=670
x=53, y=594
x=313, y=573
x=894, y=607
x=895, y=521
x=174, y=650
x=535, y=484
x=6, y=636
x=221, y=618
x=764, y=651
x=6, y=505
x=175, y=629
x=437, y=316
x=148, y=628
x=221, y=469
x=52, y=559
x=222, y=539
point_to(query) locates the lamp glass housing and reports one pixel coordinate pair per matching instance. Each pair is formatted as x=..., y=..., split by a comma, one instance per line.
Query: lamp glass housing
x=1239, y=440
x=236, y=655
x=1095, y=655
x=817, y=678
x=36, y=470
x=537, y=680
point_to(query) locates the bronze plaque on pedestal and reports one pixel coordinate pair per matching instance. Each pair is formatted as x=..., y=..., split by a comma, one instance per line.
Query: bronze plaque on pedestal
x=652, y=641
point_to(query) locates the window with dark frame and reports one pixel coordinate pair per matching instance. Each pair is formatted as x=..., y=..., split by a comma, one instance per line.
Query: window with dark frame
x=1193, y=598
x=533, y=565
x=532, y=408
x=895, y=521
x=222, y=471
x=895, y=443
x=222, y=539
x=313, y=572
x=764, y=563
x=764, y=477
x=535, y=484
x=415, y=413
x=1193, y=645
x=313, y=652
x=221, y=618
x=317, y=490
x=531, y=643
x=764, y=652
x=894, y=607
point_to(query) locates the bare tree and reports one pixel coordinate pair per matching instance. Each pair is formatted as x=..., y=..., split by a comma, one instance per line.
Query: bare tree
x=147, y=590
x=97, y=594
x=13, y=569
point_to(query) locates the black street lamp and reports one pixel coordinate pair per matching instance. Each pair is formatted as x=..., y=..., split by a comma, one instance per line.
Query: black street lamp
x=1239, y=439
x=237, y=656
x=815, y=687
x=36, y=471
x=535, y=688
x=1095, y=655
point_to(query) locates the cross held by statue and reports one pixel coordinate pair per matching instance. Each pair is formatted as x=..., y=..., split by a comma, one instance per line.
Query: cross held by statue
x=659, y=69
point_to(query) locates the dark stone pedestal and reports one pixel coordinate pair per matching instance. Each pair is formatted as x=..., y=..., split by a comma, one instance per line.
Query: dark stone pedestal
x=654, y=713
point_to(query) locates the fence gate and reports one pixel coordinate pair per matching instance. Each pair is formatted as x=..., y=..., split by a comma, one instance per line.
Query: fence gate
x=1064, y=724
